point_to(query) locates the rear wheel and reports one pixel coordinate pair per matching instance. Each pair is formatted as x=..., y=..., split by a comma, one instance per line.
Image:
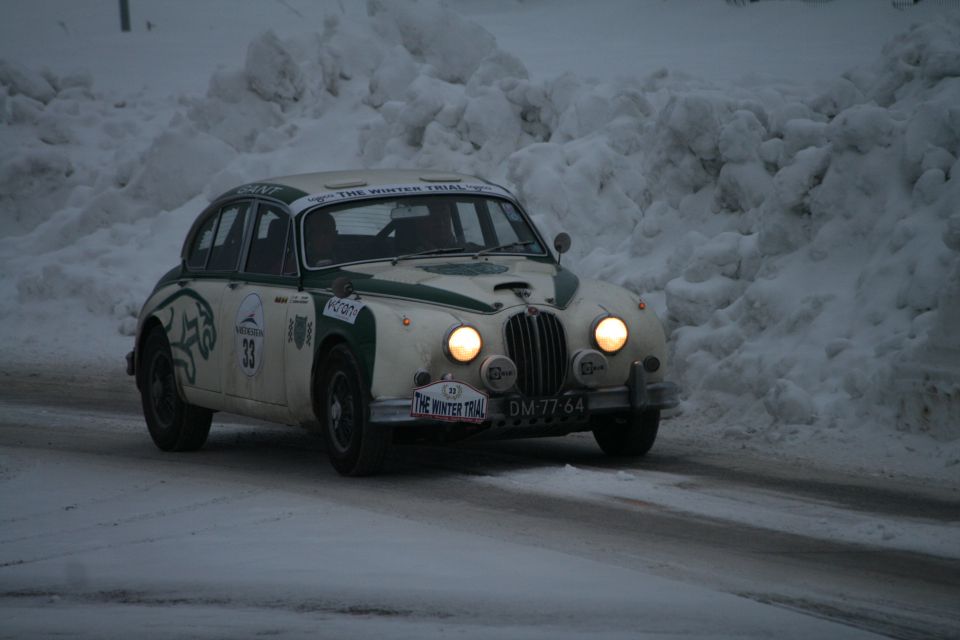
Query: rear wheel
x=627, y=435
x=355, y=447
x=174, y=425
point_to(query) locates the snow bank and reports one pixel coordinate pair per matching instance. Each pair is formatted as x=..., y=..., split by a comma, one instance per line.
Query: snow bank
x=802, y=249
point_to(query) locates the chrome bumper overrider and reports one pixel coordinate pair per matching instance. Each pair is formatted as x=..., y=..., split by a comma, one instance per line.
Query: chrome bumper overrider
x=636, y=395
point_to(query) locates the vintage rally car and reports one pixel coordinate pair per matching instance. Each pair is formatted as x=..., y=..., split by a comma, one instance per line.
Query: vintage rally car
x=383, y=306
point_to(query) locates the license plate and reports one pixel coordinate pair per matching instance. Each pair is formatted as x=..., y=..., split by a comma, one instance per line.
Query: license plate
x=573, y=406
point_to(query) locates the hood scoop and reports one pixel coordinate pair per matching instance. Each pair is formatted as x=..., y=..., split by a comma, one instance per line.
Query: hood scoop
x=519, y=284
x=521, y=289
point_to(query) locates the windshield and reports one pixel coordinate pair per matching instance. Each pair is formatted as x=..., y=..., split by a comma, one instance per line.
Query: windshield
x=415, y=227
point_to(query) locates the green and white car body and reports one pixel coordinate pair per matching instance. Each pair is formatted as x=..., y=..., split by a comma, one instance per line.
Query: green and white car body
x=358, y=345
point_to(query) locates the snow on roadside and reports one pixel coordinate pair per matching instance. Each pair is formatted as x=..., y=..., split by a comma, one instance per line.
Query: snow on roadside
x=114, y=538
x=754, y=508
x=801, y=247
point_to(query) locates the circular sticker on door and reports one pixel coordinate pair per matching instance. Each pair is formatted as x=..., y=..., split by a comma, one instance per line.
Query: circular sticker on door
x=249, y=330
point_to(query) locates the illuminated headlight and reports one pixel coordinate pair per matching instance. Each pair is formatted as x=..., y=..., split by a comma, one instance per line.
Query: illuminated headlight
x=610, y=334
x=463, y=343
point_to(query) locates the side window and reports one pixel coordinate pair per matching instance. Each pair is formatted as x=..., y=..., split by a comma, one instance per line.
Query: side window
x=197, y=258
x=229, y=237
x=505, y=232
x=290, y=254
x=510, y=226
x=470, y=223
x=269, y=238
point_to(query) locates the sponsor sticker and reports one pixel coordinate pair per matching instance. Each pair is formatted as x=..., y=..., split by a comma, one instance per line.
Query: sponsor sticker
x=300, y=331
x=450, y=401
x=248, y=335
x=258, y=189
x=343, y=309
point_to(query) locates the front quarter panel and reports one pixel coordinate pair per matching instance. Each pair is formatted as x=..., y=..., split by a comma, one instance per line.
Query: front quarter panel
x=316, y=320
x=403, y=349
x=596, y=299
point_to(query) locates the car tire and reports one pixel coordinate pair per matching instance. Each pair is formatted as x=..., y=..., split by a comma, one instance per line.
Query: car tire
x=174, y=425
x=355, y=447
x=627, y=435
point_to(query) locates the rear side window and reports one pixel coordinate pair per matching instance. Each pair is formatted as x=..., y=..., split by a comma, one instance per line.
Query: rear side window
x=197, y=258
x=228, y=239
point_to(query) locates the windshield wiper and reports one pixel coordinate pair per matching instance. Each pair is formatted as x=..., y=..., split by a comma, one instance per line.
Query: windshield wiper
x=428, y=252
x=499, y=247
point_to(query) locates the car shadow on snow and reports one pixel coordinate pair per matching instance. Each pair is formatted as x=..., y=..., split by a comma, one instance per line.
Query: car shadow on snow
x=289, y=446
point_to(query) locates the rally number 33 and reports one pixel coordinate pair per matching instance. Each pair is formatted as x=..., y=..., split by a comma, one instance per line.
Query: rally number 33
x=249, y=354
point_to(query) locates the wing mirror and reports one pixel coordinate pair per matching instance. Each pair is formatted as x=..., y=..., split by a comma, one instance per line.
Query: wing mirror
x=342, y=287
x=562, y=242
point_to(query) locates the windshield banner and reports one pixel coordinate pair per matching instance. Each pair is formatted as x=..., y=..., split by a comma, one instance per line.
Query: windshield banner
x=387, y=190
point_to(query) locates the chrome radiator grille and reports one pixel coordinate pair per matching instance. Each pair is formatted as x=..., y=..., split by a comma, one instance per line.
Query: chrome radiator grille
x=537, y=344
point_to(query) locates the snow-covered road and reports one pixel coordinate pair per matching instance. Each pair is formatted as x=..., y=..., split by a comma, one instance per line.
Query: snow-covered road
x=102, y=535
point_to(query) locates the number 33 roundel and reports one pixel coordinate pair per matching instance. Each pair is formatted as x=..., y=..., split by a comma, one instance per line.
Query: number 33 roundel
x=248, y=334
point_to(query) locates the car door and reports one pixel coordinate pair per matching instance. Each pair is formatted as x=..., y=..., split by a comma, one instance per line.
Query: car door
x=255, y=311
x=191, y=315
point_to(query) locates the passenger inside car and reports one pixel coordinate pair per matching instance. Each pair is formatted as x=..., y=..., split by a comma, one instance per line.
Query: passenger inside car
x=321, y=239
x=267, y=252
x=434, y=231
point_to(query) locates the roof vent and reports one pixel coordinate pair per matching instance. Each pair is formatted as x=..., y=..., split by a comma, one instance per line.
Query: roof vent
x=439, y=177
x=346, y=184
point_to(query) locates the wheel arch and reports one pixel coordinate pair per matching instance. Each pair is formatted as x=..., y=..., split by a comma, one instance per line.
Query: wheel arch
x=148, y=326
x=323, y=348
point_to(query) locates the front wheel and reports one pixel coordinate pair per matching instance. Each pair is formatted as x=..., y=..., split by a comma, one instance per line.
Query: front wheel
x=174, y=425
x=627, y=435
x=355, y=447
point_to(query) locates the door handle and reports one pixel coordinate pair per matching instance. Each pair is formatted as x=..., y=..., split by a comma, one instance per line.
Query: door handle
x=182, y=283
x=233, y=285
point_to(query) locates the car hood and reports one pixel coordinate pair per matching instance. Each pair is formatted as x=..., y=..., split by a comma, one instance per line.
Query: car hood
x=485, y=285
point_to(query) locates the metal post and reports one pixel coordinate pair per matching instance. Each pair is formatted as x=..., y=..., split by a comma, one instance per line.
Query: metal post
x=125, y=15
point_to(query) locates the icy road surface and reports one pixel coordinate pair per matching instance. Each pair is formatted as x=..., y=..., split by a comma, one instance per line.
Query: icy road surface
x=102, y=535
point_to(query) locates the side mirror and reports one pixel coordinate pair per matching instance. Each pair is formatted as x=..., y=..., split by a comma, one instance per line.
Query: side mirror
x=562, y=242
x=342, y=287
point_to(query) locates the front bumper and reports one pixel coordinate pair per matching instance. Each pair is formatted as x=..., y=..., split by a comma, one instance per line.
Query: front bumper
x=637, y=395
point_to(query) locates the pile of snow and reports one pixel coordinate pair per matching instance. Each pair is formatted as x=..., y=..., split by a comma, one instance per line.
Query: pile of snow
x=802, y=247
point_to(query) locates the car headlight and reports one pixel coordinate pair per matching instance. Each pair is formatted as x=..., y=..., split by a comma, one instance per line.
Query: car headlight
x=610, y=333
x=463, y=343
